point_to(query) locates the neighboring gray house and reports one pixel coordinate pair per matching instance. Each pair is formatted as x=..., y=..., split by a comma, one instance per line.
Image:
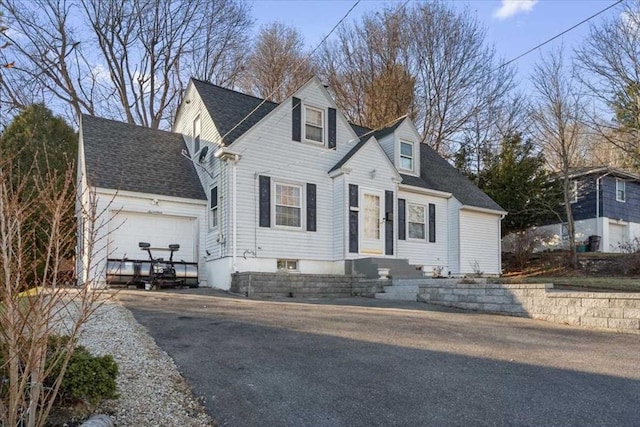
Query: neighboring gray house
x=291, y=186
x=605, y=203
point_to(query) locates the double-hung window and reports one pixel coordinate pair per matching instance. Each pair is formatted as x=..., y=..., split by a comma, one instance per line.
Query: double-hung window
x=621, y=193
x=288, y=205
x=417, y=221
x=213, y=219
x=314, y=124
x=573, y=191
x=406, y=155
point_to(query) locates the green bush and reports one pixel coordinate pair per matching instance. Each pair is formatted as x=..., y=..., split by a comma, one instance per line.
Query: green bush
x=88, y=378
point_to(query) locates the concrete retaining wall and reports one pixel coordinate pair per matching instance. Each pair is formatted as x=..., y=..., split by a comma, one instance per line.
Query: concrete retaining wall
x=262, y=285
x=603, y=310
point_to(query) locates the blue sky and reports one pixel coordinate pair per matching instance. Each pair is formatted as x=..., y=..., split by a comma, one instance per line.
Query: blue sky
x=513, y=26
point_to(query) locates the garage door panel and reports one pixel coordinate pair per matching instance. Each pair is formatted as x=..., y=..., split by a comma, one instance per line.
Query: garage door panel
x=127, y=229
x=617, y=236
x=479, y=243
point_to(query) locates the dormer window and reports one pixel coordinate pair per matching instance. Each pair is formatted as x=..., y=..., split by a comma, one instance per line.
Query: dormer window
x=406, y=155
x=314, y=124
x=196, y=134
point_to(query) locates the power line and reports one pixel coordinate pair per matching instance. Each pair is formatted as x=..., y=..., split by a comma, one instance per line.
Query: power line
x=558, y=35
x=296, y=69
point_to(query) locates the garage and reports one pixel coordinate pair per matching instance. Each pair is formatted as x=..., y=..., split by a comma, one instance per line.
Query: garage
x=479, y=242
x=126, y=229
x=617, y=236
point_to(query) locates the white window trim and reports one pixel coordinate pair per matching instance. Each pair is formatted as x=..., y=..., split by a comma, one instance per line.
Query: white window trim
x=425, y=223
x=564, y=226
x=302, y=205
x=322, y=121
x=211, y=226
x=199, y=133
x=401, y=156
x=624, y=191
x=288, y=270
x=574, y=191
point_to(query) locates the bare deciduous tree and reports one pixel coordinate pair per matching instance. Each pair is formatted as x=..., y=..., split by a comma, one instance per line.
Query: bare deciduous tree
x=558, y=112
x=131, y=60
x=454, y=73
x=366, y=69
x=610, y=69
x=36, y=301
x=277, y=65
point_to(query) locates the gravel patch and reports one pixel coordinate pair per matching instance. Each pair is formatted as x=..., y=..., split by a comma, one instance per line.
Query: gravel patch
x=152, y=391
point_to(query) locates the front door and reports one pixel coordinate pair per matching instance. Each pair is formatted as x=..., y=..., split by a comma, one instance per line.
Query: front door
x=371, y=232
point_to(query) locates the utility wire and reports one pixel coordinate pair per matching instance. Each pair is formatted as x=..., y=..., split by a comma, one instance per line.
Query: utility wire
x=296, y=69
x=558, y=35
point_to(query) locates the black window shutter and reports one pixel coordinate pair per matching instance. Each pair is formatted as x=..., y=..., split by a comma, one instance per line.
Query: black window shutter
x=353, y=218
x=214, y=197
x=388, y=223
x=402, y=227
x=265, y=201
x=432, y=222
x=311, y=207
x=332, y=128
x=296, y=119
x=353, y=196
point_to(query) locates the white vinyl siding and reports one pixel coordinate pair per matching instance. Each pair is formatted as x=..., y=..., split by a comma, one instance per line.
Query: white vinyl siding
x=217, y=172
x=479, y=243
x=420, y=251
x=313, y=124
x=264, y=148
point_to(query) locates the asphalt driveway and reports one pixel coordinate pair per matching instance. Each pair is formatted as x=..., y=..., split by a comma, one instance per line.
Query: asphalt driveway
x=362, y=362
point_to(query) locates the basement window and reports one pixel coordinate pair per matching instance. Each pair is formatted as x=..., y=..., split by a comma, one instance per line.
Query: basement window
x=287, y=265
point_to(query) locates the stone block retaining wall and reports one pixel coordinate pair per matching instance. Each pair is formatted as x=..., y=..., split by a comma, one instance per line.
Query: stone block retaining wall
x=603, y=310
x=263, y=285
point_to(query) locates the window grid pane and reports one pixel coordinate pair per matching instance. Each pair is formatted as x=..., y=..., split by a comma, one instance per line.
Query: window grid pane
x=288, y=205
x=314, y=129
x=417, y=222
x=314, y=133
x=406, y=149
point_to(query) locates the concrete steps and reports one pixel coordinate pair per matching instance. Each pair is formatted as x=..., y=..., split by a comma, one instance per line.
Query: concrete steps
x=368, y=267
x=408, y=288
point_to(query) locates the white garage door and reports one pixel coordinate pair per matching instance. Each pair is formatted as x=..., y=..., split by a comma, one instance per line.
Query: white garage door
x=479, y=243
x=128, y=228
x=617, y=236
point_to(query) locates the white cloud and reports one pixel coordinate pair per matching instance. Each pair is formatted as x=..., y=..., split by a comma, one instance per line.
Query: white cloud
x=511, y=8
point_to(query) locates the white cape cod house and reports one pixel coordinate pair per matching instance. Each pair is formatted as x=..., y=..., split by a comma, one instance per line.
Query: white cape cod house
x=247, y=185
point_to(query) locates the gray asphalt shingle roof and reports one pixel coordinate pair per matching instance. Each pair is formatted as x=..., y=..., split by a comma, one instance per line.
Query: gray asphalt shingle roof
x=228, y=108
x=438, y=174
x=127, y=157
